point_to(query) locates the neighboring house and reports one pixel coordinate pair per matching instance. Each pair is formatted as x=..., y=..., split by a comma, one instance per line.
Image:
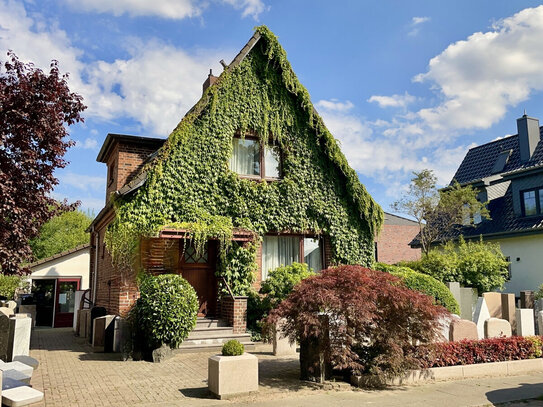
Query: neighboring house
x=392, y=244
x=54, y=282
x=249, y=180
x=508, y=172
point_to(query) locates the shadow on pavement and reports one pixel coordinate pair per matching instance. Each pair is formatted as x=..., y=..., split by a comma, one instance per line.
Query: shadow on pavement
x=524, y=391
x=197, y=393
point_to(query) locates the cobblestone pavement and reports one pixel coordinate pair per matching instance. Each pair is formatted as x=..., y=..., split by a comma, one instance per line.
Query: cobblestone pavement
x=70, y=374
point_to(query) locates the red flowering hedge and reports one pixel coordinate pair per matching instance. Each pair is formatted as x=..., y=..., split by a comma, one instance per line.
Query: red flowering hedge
x=481, y=351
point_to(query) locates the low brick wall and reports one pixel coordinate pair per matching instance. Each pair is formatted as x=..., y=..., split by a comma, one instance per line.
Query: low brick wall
x=493, y=369
x=234, y=312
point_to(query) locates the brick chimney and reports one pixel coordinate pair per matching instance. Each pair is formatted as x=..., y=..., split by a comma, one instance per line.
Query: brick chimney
x=211, y=79
x=528, y=136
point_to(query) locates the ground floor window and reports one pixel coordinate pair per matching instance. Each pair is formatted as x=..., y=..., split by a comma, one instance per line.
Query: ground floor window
x=284, y=250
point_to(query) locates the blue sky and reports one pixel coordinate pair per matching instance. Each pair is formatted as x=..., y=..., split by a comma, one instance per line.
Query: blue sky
x=404, y=85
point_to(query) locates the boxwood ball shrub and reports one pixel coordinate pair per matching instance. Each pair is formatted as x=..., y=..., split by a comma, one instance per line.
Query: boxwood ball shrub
x=372, y=319
x=424, y=284
x=167, y=310
x=233, y=348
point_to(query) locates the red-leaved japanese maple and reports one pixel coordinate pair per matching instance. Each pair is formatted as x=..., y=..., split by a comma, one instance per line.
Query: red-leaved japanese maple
x=35, y=108
x=373, y=319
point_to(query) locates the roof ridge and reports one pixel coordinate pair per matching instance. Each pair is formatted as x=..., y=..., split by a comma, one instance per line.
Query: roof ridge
x=58, y=255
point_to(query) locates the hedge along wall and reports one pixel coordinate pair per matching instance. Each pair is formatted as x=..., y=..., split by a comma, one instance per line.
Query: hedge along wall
x=189, y=185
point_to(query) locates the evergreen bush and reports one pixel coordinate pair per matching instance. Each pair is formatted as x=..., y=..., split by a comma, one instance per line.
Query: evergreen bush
x=233, y=348
x=424, y=284
x=166, y=311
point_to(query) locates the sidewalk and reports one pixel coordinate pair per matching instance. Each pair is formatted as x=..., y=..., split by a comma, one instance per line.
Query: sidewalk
x=70, y=374
x=480, y=392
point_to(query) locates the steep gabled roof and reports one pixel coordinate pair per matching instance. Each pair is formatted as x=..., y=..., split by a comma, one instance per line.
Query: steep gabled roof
x=479, y=162
x=368, y=209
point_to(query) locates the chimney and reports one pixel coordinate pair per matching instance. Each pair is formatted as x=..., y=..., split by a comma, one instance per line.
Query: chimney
x=211, y=79
x=528, y=136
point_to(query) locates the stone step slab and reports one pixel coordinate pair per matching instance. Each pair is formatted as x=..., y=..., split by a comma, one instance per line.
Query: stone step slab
x=249, y=346
x=216, y=339
x=210, y=323
x=21, y=367
x=27, y=360
x=206, y=332
x=9, y=383
x=21, y=396
x=16, y=375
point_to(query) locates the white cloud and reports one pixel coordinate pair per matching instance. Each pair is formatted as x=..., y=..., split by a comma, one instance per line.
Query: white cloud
x=393, y=101
x=155, y=86
x=334, y=105
x=416, y=23
x=82, y=182
x=89, y=143
x=480, y=77
x=419, y=20
x=169, y=9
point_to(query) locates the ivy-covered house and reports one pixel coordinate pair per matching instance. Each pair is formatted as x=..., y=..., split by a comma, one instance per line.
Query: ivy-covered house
x=249, y=180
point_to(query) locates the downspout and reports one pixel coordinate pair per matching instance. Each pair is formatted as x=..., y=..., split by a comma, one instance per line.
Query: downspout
x=95, y=279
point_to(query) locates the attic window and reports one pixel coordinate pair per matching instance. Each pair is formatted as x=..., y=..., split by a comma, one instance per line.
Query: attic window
x=250, y=159
x=532, y=201
x=501, y=161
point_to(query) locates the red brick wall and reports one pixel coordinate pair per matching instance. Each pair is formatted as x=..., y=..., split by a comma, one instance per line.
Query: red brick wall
x=234, y=311
x=393, y=244
x=123, y=164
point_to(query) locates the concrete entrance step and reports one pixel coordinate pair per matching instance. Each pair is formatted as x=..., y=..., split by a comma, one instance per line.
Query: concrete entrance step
x=185, y=348
x=203, y=322
x=216, y=339
x=205, y=332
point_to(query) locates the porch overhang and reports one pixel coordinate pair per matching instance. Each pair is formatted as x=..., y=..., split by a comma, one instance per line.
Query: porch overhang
x=239, y=234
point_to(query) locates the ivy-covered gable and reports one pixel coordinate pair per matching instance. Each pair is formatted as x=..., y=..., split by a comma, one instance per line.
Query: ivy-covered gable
x=190, y=186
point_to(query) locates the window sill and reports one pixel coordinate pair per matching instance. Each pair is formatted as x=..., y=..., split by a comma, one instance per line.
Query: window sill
x=258, y=179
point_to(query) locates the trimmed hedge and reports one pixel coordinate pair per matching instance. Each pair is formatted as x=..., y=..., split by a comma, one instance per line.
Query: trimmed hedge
x=482, y=351
x=424, y=284
x=233, y=348
x=167, y=310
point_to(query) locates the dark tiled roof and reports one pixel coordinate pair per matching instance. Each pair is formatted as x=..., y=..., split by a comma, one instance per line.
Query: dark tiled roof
x=503, y=221
x=479, y=161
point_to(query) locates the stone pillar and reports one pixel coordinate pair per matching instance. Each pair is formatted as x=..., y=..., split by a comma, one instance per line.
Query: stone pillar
x=525, y=322
x=99, y=331
x=20, y=328
x=480, y=315
x=508, y=310
x=84, y=323
x=497, y=328
x=281, y=343
x=527, y=299
x=494, y=304
x=461, y=329
x=540, y=321
x=4, y=336
x=234, y=311
x=29, y=309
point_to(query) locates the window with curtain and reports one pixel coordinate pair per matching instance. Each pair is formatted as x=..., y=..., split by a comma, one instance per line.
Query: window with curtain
x=279, y=251
x=271, y=162
x=313, y=253
x=245, y=158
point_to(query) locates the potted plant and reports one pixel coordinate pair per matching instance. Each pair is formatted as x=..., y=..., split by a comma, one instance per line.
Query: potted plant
x=234, y=372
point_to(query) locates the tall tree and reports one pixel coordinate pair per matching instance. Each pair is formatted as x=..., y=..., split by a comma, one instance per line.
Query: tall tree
x=439, y=212
x=63, y=232
x=35, y=110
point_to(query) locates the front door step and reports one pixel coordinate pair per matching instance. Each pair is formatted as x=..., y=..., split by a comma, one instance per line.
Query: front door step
x=210, y=335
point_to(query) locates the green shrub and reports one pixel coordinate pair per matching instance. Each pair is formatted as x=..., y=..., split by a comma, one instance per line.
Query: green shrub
x=539, y=293
x=9, y=284
x=282, y=280
x=167, y=310
x=233, y=348
x=476, y=264
x=424, y=284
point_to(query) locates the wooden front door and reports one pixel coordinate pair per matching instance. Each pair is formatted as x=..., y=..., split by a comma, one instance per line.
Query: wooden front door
x=199, y=271
x=65, y=302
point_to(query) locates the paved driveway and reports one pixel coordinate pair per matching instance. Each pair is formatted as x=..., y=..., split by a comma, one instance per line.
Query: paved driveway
x=70, y=374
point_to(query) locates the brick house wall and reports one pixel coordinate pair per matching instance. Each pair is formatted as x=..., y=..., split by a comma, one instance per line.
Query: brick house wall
x=393, y=244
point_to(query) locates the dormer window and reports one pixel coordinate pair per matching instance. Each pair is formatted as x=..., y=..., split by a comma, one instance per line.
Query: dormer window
x=532, y=201
x=249, y=159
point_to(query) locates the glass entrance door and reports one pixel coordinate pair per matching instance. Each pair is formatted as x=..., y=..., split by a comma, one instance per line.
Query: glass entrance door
x=65, y=302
